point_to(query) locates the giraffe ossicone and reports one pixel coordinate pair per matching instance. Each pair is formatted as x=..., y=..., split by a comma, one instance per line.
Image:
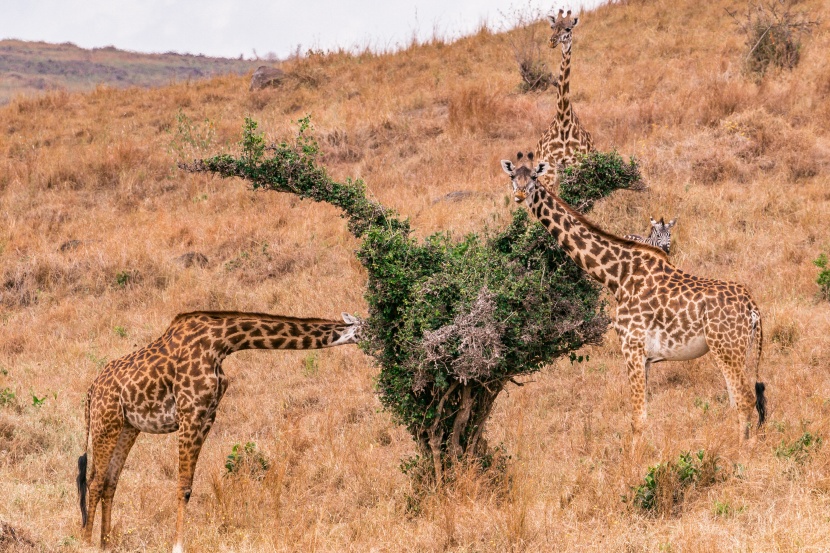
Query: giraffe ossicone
x=175, y=384
x=663, y=313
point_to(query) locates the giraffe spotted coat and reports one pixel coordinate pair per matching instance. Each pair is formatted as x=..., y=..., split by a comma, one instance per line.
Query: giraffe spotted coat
x=565, y=137
x=663, y=313
x=175, y=384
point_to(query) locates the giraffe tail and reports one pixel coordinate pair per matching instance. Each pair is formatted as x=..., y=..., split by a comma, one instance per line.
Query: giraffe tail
x=82, y=462
x=756, y=342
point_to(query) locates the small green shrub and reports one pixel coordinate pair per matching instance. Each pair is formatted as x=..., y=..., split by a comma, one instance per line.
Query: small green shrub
x=123, y=278
x=823, y=279
x=189, y=137
x=99, y=362
x=120, y=331
x=7, y=397
x=801, y=450
x=666, y=484
x=247, y=460
x=724, y=509
x=702, y=404
x=310, y=365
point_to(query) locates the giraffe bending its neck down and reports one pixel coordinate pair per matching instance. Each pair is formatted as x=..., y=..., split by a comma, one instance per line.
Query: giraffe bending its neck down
x=663, y=314
x=565, y=137
x=174, y=384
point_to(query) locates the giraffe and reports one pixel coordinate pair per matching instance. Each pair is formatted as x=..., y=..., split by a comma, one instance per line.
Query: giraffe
x=660, y=236
x=175, y=383
x=663, y=313
x=565, y=137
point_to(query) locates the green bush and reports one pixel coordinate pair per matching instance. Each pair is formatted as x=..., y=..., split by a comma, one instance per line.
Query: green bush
x=801, y=449
x=246, y=460
x=451, y=320
x=666, y=484
x=823, y=279
x=7, y=397
x=595, y=176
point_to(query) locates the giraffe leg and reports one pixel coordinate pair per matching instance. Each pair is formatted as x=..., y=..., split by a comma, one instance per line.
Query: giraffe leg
x=637, y=367
x=119, y=455
x=741, y=394
x=191, y=438
x=104, y=440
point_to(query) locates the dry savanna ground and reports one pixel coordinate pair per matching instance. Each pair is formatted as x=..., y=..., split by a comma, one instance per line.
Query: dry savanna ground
x=95, y=215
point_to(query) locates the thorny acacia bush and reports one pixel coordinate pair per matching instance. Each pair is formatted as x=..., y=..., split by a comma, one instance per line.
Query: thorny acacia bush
x=451, y=322
x=773, y=34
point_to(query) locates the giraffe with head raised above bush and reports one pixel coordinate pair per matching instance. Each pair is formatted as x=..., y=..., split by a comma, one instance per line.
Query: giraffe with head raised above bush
x=565, y=137
x=663, y=313
x=174, y=384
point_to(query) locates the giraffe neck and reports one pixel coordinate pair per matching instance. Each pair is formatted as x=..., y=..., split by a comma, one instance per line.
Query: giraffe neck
x=233, y=331
x=563, y=109
x=607, y=258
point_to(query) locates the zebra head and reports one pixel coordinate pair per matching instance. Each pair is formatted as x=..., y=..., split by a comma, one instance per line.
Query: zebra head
x=661, y=234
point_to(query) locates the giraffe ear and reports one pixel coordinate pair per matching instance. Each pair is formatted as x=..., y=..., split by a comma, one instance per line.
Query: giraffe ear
x=552, y=19
x=542, y=168
x=574, y=22
x=507, y=165
x=350, y=319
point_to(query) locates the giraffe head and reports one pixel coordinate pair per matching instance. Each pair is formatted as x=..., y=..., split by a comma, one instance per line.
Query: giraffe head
x=524, y=176
x=354, y=332
x=562, y=29
x=661, y=232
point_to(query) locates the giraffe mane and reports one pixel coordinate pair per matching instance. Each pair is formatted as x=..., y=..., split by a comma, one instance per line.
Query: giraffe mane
x=613, y=238
x=266, y=316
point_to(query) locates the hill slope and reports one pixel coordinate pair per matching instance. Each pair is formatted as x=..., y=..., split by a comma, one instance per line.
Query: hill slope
x=30, y=68
x=96, y=216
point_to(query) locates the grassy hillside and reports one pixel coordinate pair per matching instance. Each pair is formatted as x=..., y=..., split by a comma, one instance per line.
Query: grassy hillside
x=30, y=68
x=95, y=216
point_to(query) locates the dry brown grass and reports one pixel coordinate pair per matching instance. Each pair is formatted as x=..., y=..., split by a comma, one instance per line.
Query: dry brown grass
x=744, y=164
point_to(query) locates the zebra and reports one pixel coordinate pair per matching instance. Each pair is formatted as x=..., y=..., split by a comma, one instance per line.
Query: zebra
x=660, y=236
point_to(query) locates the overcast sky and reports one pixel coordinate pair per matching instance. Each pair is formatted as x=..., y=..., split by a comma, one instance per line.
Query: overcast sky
x=228, y=28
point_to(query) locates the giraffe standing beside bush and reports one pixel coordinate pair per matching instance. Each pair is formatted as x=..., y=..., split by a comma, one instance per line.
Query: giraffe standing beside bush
x=175, y=383
x=663, y=313
x=565, y=137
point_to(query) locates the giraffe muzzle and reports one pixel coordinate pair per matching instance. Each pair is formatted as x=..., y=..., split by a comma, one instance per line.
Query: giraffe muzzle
x=519, y=197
